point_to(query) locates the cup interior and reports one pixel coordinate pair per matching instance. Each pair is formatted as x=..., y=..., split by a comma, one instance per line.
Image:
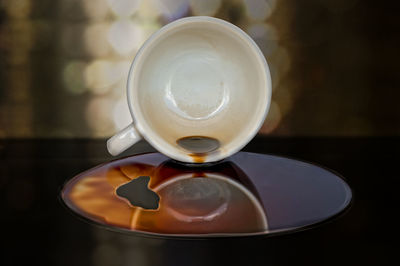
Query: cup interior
x=199, y=77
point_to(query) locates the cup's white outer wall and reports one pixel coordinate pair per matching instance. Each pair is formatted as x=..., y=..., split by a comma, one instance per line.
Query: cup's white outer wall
x=138, y=118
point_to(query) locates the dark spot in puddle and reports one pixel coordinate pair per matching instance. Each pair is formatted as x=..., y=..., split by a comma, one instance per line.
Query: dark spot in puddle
x=138, y=193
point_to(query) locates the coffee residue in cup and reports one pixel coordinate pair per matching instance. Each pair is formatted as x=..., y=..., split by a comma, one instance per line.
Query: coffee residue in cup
x=199, y=146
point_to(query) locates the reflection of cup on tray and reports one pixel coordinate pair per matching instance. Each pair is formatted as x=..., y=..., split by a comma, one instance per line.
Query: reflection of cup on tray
x=213, y=199
x=233, y=197
x=210, y=203
x=198, y=91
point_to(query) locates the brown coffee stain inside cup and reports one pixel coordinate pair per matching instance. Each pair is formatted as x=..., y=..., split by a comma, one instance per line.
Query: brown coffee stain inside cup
x=198, y=158
x=199, y=146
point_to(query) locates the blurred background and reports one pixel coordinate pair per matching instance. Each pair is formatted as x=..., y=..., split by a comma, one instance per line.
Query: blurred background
x=63, y=70
x=64, y=63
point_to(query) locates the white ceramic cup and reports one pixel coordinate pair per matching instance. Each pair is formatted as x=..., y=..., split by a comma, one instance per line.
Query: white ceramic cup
x=197, y=76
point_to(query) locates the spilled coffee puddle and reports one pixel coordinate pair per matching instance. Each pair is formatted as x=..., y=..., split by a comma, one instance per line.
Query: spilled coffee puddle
x=167, y=198
x=244, y=195
x=138, y=194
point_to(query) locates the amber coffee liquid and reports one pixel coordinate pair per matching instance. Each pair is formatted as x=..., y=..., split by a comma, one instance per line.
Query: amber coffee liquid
x=168, y=198
x=199, y=146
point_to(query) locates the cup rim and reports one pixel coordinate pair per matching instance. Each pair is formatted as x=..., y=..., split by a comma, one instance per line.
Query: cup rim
x=145, y=130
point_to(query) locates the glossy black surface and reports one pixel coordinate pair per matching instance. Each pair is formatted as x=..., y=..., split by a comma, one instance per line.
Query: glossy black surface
x=289, y=194
x=37, y=229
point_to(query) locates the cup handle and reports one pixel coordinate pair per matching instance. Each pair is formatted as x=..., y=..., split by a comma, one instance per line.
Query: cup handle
x=123, y=140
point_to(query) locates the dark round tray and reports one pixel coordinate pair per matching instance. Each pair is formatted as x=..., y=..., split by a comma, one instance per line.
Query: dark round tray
x=248, y=194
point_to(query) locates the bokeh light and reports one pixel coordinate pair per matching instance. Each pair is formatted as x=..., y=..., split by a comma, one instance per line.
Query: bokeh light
x=205, y=7
x=273, y=119
x=18, y=9
x=99, y=116
x=73, y=77
x=100, y=75
x=275, y=75
x=119, y=89
x=266, y=37
x=125, y=36
x=99, y=39
x=124, y=8
x=95, y=38
x=148, y=11
x=76, y=59
x=259, y=9
x=281, y=59
x=96, y=9
x=172, y=9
